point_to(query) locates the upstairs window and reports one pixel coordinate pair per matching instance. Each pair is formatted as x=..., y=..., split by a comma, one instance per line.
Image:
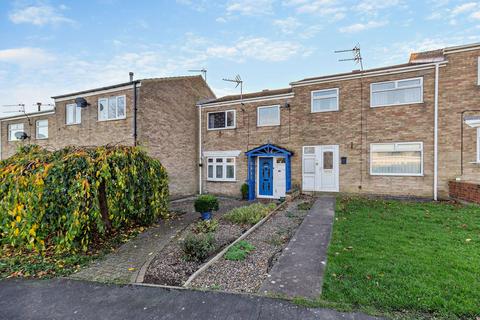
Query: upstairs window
x=398, y=92
x=14, y=131
x=396, y=159
x=324, y=100
x=268, y=116
x=73, y=114
x=111, y=108
x=221, y=169
x=221, y=120
x=41, y=129
x=478, y=145
x=478, y=71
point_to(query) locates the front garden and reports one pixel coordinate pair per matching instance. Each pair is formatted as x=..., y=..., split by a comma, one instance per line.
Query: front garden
x=404, y=259
x=61, y=209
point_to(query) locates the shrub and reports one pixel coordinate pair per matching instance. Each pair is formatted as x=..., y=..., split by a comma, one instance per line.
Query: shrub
x=239, y=251
x=206, y=226
x=71, y=197
x=206, y=203
x=244, y=191
x=305, y=206
x=249, y=214
x=197, y=247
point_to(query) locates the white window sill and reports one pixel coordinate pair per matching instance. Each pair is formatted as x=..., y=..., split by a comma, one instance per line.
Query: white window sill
x=268, y=125
x=215, y=129
x=323, y=111
x=116, y=119
x=475, y=162
x=395, y=175
x=210, y=180
x=73, y=124
x=397, y=104
x=41, y=138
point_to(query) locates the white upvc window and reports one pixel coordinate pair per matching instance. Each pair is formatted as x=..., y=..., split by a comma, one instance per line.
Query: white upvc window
x=41, y=129
x=391, y=93
x=221, y=120
x=221, y=169
x=396, y=159
x=478, y=71
x=73, y=114
x=268, y=116
x=478, y=145
x=111, y=108
x=13, y=129
x=324, y=100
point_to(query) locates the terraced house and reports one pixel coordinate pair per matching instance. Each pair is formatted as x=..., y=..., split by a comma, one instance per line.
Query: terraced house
x=404, y=130
x=157, y=114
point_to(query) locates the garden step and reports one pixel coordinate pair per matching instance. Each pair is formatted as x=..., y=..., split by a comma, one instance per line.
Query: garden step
x=300, y=268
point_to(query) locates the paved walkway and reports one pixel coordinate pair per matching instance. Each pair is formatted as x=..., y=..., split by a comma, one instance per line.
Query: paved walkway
x=68, y=299
x=299, y=270
x=125, y=264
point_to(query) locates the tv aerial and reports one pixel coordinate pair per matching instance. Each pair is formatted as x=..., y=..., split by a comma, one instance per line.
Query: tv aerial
x=239, y=82
x=357, y=55
x=203, y=71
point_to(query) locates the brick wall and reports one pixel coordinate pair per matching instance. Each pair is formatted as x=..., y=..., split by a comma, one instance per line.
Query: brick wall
x=464, y=191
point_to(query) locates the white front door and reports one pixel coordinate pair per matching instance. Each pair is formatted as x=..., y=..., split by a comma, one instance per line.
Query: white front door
x=279, y=178
x=320, y=167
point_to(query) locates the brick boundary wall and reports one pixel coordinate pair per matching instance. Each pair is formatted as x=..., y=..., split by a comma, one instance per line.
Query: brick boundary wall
x=465, y=191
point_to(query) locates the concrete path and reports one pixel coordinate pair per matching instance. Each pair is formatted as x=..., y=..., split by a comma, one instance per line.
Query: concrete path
x=299, y=269
x=125, y=264
x=68, y=299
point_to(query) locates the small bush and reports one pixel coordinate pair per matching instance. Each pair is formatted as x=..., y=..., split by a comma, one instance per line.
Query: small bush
x=206, y=226
x=244, y=191
x=239, y=251
x=249, y=214
x=206, y=203
x=197, y=247
x=305, y=206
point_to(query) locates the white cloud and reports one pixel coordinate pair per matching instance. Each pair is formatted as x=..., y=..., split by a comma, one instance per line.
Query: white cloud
x=374, y=6
x=476, y=15
x=198, y=5
x=358, y=27
x=261, y=49
x=454, y=14
x=332, y=9
x=250, y=7
x=288, y=25
x=464, y=8
x=25, y=57
x=39, y=15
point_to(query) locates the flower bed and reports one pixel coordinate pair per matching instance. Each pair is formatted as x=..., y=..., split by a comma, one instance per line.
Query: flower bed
x=244, y=269
x=174, y=264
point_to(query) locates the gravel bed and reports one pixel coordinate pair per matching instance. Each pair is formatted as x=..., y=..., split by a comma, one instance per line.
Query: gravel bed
x=269, y=240
x=169, y=267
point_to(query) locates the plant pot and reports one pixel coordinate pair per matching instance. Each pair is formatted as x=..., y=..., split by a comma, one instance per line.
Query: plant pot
x=206, y=215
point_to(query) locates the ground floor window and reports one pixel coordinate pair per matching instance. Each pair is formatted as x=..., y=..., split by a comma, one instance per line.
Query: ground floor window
x=478, y=145
x=221, y=169
x=396, y=159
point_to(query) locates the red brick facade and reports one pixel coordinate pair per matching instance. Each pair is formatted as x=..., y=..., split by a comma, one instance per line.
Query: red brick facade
x=465, y=191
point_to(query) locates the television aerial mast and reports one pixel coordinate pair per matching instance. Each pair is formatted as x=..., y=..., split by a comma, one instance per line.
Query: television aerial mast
x=203, y=71
x=239, y=82
x=357, y=55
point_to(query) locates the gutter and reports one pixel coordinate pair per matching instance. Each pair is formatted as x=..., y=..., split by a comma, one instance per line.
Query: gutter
x=435, y=137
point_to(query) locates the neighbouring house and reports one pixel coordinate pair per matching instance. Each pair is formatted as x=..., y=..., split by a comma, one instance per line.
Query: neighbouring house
x=157, y=114
x=403, y=130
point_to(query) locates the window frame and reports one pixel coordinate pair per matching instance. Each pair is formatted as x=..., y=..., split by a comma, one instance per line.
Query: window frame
x=224, y=169
x=9, y=131
x=37, y=127
x=396, y=88
x=478, y=71
x=270, y=124
x=399, y=174
x=76, y=121
x=337, y=95
x=234, y=126
x=116, y=108
x=478, y=145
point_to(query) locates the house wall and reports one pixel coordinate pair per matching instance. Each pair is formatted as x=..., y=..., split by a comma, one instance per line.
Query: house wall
x=354, y=127
x=168, y=128
x=459, y=91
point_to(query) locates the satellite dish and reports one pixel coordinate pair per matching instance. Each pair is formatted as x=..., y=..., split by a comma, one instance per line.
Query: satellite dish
x=21, y=135
x=81, y=102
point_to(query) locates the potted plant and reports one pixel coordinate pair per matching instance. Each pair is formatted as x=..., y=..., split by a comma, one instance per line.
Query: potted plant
x=205, y=204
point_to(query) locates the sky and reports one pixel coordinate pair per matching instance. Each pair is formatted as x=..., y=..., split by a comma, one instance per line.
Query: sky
x=51, y=47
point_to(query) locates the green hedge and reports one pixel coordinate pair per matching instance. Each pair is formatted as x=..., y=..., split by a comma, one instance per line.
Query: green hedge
x=74, y=196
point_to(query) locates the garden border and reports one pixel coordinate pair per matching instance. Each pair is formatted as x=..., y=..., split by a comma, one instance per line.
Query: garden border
x=243, y=236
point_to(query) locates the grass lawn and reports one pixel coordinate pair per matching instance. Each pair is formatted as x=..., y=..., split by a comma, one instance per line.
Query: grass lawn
x=405, y=259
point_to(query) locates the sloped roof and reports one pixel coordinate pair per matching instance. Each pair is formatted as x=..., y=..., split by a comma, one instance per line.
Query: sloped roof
x=427, y=56
x=258, y=94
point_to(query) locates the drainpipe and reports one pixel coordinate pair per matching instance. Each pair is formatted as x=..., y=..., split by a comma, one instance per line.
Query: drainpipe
x=435, y=138
x=200, y=166
x=134, y=110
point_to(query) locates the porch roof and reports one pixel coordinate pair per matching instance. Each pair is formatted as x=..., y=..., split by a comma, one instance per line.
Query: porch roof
x=268, y=149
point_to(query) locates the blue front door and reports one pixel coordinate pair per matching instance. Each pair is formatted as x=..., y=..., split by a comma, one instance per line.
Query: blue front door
x=265, y=177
